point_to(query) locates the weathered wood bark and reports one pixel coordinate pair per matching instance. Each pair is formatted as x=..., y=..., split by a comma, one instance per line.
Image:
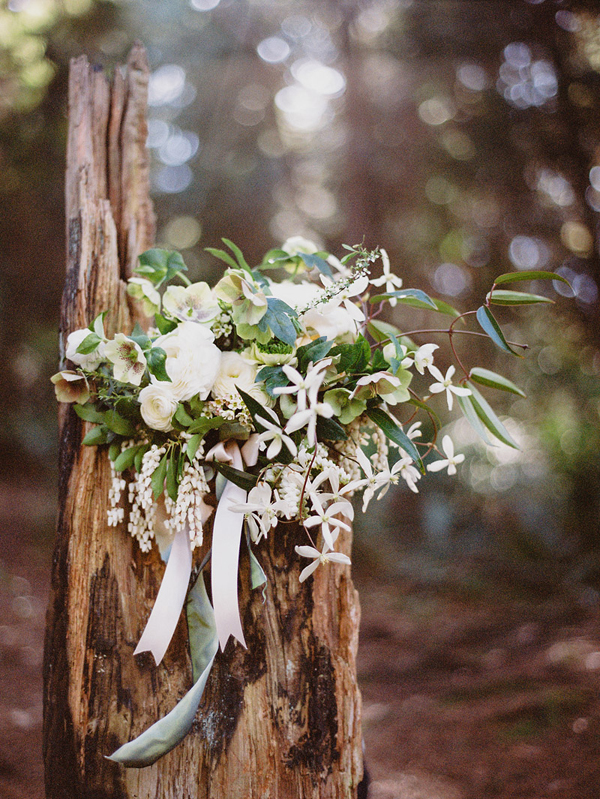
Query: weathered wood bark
x=280, y=719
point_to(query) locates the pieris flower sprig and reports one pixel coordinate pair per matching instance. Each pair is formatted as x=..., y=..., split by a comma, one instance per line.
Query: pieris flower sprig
x=254, y=403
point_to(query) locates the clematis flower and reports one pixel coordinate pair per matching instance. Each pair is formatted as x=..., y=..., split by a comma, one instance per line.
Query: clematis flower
x=195, y=303
x=260, y=512
x=408, y=473
x=375, y=481
x=392, y=282
x=344, y=297
x=424, y=357
x=451, y=460
x=325, y=556
x=308, y=418
x=143, y=291
x=127, y=358
x=337, y=494
x=391, y=388
x=445, y=384
x=277, y=437
x=302, y=385
x=325, y=517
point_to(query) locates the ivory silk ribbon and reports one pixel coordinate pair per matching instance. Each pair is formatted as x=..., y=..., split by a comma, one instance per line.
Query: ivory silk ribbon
x=227, y=531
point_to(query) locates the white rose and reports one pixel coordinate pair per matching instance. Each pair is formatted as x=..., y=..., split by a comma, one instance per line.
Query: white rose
x=192, y=360
x=158, y=406
x=234, y=371
x=89, y=361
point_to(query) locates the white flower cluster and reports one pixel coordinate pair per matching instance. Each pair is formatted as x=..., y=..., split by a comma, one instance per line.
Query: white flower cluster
x=142, y=507
x=190, y=508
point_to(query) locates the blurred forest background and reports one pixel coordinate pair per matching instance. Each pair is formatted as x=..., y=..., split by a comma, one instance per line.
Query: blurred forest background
x=464, y=137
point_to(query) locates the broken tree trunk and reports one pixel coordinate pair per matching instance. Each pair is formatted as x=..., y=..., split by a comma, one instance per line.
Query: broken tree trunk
x=280, y=719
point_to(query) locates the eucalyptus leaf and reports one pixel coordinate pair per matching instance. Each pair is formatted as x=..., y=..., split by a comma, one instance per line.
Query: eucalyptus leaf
x=493, y=330
x=489, y=378
x=315, y=351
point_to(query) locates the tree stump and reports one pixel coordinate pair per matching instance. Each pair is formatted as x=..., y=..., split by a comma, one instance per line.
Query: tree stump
x=280, y=719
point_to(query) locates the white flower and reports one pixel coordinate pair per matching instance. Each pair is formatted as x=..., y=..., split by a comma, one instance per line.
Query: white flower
x=298, y=244
x=308, y=418
x=408, y=473
x=445, y=384
x=195, y=303
x=127, y=358
x=424, y=357
x=450, y=461
x=89, y=361
x=259, y=511
x=330, y=526
x=158, y=406
x=277, y=437
x=337, y=494
x=319, y=557
x=302, y=385
x=343, y=297
x=330, y=320
x=143, y=290
x=391, y=281
x=374, y=481
x=192, y=360
x=235, y=371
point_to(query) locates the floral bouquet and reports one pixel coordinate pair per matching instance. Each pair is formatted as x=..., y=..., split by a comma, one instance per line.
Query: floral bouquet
x=268, y=399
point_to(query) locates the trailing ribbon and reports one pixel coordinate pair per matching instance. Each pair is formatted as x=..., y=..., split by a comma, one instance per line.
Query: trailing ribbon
x=227, y=533
x=169, y=602
x=166, y=733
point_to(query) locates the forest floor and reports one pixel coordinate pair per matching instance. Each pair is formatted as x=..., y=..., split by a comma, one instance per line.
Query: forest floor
x=479, y=685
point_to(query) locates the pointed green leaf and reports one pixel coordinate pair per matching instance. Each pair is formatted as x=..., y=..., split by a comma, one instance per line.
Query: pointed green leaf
x=222, y=256
x=172, y=485
x=513, y=277
x=114, y=450
x=125, y=459
x=118, y=424
x=89, y=413
x=408, y=297
x=238, y=254
x=503, y=297
x=156, y=359
x=96, y=436
x=89, y=344
x=470, y=415
x=330, y=430
x=192, y=446
x=315, y=261
x=255, y=409
x=164, y=325
x=394, y=432
x=489, y=418
x=238, y=477
x=488, y=378
x=203, y=424
x=139, y=456
x=183, y=416
x=492, y=328
x=424, y=407
x=157, y=481
x=315, y=351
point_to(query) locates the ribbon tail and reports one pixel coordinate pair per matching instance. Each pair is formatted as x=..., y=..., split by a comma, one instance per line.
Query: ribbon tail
x=169, y=731
x=227, y=533
x=169, y=602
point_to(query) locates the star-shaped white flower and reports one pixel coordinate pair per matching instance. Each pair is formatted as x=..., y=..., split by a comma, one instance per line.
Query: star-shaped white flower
x=408, y=473
x=424, y=357
x=391, y=281
x=277, y=437
x=319, y=557
x=302, y=385
x=330, y=526
x=445, y=384
x=260, y=512
x=450, y=461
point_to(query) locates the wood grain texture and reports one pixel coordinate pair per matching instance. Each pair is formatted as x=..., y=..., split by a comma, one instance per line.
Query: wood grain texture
x=281, y=719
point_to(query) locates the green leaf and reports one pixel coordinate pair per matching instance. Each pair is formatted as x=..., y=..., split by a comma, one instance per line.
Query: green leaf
x=96, y=436
x=394, y=432
x=488, y=378
x=183, y=416
x=238, y=254
x=238, y=477
x=89, y=413
x=98, y=325
x=503, y=297
x=222, y=256
x=118, y=424
x=157, y=481
x=315, y=351
x=513, y=277
x=492, y=328
x=272, y=377
x=201, y=627
x=192, y=446
x=164, y=325
x=114, y=450
x=203, y=424
x=138, y=334
x=424, y=407
x=172, y=485
x=330, y=430
x=279, y=318
x=470, y=415
x=313, y=261
x=353, y=357
x=408, y=297
x=139, y=455
x=257, y=574
x=445, y=308
x=159, y=265
x=156, y=359
x=89, y=344
x=489, y=418
x=255, y=409
x=383, y=332
x=126, y=459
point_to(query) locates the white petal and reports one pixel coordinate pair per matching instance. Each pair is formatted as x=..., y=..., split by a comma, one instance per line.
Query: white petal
x=338, y=557
x=308, y=552
x=437, y=466
x=308, y=570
